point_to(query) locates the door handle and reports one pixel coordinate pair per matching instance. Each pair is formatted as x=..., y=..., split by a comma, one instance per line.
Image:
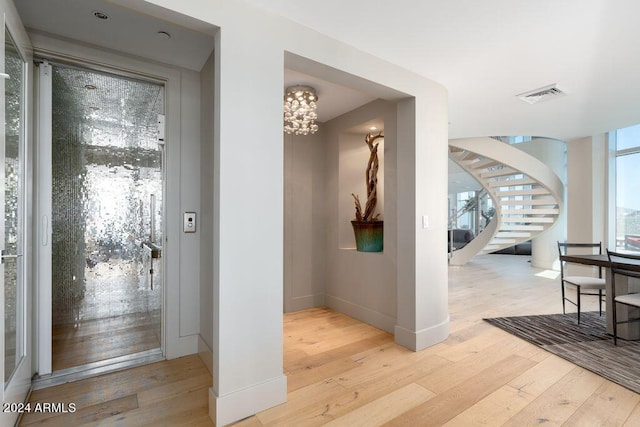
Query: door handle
x=4, y=256
x=45, y=230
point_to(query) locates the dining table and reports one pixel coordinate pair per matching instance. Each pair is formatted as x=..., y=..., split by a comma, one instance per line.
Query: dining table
x=624, y=285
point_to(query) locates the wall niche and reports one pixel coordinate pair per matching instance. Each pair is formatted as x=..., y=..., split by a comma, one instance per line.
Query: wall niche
x=354, y=155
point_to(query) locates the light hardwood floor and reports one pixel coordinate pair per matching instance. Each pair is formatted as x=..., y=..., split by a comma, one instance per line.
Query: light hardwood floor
x=95, y=340
x=342, y=372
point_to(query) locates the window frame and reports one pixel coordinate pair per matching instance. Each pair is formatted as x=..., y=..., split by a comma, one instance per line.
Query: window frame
x=614, y=154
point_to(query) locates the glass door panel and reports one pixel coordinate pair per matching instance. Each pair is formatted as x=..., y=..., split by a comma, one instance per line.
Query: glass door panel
x=16, y=232
x=13, y=210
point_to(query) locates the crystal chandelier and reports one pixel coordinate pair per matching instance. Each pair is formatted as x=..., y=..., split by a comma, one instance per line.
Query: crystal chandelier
x=300, y=110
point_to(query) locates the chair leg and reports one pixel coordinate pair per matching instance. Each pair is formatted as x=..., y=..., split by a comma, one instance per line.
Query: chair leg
x=563, y=298
x=615, y=324
x=578, y=295
x=600, y=300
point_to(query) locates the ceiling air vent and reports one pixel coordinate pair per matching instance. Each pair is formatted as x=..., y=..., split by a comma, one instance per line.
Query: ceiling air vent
x=542, y=94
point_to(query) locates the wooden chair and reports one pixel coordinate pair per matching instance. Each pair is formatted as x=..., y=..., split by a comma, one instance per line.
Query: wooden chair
x=619, y=265
x=585, y=285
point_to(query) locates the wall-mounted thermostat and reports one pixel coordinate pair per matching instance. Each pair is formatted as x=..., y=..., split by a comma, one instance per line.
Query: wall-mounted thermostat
x=189, y=222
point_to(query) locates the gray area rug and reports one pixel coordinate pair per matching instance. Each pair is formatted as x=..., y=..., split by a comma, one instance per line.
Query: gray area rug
x=587, y=345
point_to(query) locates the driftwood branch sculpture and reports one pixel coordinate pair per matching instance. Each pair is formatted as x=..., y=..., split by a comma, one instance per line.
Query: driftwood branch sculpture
x=371, y=177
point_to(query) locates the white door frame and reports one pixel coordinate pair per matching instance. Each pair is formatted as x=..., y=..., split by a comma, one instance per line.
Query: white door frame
x=43, y=220
x=173, y=345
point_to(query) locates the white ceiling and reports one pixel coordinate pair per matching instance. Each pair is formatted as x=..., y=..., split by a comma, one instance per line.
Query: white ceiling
x=125, y=30
x=130, y=31
x=485, y=53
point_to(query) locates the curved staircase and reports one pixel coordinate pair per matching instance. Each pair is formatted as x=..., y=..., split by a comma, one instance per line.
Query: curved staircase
x=526, y=194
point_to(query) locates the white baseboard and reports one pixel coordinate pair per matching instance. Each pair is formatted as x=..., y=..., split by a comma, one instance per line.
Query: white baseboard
x=419, y=340
x=244, y=403
x=183, y=346
x=364, y=314
x=307, y=301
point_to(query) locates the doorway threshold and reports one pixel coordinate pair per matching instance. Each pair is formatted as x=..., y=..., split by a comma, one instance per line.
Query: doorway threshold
x=93, y=369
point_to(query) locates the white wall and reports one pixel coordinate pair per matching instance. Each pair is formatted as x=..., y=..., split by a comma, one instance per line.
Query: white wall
x=251, y=49
x=304, y=221
x=189, y=201
x=599, y=184
x=360, y=284
x=422, y=170
x=586, y=178
x=248, y=213
x=205, y=344
x=586, y=197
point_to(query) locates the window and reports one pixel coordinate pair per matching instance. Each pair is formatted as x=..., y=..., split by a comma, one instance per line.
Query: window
x=464, y=213
x=626, y=146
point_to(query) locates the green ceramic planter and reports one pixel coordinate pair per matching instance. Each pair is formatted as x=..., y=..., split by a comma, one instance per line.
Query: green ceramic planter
x=369, y=235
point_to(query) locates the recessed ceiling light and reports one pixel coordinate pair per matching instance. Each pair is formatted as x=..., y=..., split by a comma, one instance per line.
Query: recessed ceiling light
x=100, y=15
x=164, y=35
x=373, y=128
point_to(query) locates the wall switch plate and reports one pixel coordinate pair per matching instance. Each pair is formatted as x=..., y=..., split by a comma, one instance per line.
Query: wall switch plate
x=189, y=222
x=425, y=221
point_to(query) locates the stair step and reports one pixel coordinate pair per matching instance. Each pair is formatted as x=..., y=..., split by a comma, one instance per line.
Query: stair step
x=465, y=156
x=529, y=202
x=543, y=219
x=511, y=182
x=506, y=171
x=526, y=192
x=510, y=227
x=509, y=234
x=455, y=155
x=536, y=211
x=483, y=163
x=502, y=242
